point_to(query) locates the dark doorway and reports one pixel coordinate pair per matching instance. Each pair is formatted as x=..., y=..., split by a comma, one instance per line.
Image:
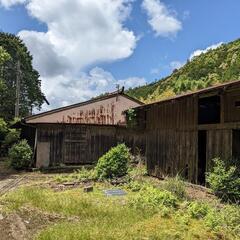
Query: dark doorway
x=236, y=145
x=209, y=110
x=202, y=156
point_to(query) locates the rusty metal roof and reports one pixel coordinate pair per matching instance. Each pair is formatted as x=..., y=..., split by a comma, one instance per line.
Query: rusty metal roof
x=205, y=90
x=97, y=99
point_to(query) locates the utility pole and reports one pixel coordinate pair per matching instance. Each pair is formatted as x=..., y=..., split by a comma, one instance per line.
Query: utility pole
x=18, y=76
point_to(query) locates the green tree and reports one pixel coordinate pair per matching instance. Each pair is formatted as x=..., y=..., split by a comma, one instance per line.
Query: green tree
x=215, y=66
x=30, y=84
x=4, y=56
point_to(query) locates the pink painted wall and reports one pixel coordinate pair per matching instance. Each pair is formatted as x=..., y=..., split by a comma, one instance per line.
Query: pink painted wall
x=106, y=111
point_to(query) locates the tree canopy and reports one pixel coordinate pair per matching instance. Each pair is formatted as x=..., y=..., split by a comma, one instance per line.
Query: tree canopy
x=12, y=51
x=216, y=66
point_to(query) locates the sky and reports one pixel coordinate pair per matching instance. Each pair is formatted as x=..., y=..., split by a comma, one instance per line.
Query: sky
x=83, y=48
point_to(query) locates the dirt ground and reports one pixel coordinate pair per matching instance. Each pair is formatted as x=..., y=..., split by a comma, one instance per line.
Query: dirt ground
x=25, y=223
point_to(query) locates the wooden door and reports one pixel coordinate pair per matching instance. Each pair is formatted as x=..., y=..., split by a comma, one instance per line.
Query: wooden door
x=75, y=145
x=43, y=154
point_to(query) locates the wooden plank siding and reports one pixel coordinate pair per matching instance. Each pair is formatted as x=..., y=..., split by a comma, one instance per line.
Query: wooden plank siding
x=167, y=133
x=84, y=144
x=171, y=130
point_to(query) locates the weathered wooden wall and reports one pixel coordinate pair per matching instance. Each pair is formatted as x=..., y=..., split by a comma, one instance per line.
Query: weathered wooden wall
x=171, y=130
x=170, y=134
x=83, y=144
x=167, y=133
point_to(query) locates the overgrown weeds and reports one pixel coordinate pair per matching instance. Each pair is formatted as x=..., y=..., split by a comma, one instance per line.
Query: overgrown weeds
x=80, y=175
x=176, y=186
x=224, y=181
x=145, y=212
x=152, y=209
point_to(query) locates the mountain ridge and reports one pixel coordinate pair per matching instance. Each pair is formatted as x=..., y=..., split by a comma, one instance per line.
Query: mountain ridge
x=214, y=67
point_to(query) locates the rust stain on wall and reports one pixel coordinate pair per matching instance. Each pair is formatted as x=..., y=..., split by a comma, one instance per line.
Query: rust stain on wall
x=107, y=111
x=101, y=115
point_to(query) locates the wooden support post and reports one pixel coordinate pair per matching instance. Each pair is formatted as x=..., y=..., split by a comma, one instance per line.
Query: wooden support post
x=17, y=90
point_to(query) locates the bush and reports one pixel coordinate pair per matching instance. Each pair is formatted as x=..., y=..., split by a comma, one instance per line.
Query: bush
x=114, y=163
x=12, y=137
x=20, y=155
x=224, y=181
x=3, y=129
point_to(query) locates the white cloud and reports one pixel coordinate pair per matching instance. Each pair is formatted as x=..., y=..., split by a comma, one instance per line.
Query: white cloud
x=86, y=85
x=200, y=51
x=161, y=19
x=176, y=64
x=9, y=3
x=80, y=34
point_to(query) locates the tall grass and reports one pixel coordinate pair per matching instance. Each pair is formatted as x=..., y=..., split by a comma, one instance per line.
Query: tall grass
x=128, y=217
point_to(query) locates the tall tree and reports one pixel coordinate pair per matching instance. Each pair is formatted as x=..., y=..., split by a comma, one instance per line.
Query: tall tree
x=4, y=98
x=30, y=84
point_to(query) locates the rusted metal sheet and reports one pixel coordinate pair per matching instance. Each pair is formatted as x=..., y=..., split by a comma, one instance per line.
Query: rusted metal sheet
x=100, y=115
x=103, y=111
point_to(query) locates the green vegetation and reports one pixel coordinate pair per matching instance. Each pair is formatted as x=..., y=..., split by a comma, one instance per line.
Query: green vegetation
x=150, y=197
x=80, y=175
x=131, y=118
x=20, y=155
x=148, y=213
x=12, y=51
x=216, y=66
x=114, y=163
x=198, y=210
x=8, y=137
x=176, y=186
x=224, y=181
x=3, y=130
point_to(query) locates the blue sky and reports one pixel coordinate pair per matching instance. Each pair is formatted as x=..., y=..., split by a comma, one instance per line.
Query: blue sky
x=144, y=51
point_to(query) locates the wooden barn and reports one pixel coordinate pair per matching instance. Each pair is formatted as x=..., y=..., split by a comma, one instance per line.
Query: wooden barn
x=183, y=134
x=81, y=133
x=180, y=135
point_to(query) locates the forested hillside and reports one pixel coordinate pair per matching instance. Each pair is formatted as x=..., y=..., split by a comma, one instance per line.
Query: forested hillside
x=214, y=67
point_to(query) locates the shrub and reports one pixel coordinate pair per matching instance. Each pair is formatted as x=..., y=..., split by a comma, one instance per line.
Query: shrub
x=176, y=186
x=3, y=129
x=20, y=155
x=224, y=181
x=12, y=137
x=114, y=163
x=198, y=209
x=150, y=197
